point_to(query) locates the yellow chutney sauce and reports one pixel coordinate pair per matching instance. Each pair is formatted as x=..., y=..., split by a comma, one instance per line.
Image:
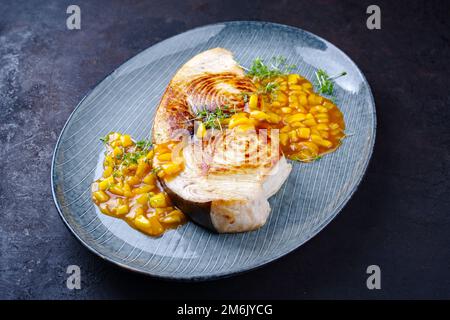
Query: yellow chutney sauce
x=128, y=188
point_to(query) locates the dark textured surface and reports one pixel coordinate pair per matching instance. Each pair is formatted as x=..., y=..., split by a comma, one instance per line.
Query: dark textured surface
x=399, y=218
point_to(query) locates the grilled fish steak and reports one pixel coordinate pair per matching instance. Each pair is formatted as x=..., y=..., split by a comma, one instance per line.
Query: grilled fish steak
x=222, y=186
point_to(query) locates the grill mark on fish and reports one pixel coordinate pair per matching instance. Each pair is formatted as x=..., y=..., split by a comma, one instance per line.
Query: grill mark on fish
x=236, y=200
x=209, y=92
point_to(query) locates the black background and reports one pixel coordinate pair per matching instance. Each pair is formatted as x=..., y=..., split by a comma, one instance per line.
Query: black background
x=398, y=219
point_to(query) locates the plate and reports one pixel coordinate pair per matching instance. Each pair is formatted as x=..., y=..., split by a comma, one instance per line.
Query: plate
x=126, y=102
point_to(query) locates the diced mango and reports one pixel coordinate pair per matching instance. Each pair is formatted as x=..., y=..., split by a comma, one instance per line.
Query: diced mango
x=316, y=138
x=319, y=109
x=122, y=209
x=107, y=171
x=234, y=122
x=127, y=190
x=307, y=85
x=245, y=127
x=158, y=201
x=115, y=143
x=172, y=217
x=314, y=99
x=142, y=189
x=166, y=156
x=259, y=115
x=296, y=117
x=150, y=225
x=149, y=179
x=150, y=154
x=303, y=100
x=101, y=196
x=142, y=168
x=273, y=117
x=117, y=151
x=104, y=208
x=132, y=180
x=310, y=122
x=116, y=189
x=324, y=134
x=293, y=98
x=307, y=151
x=297, y=125
x=171, y=168
x=293, y=136
x=143, y=199
x=281, y=97
x=322, y=127
x=284, y=138
x=126, y=140
x=253, y=102
x=108, y=162
x=139, y=211
x=326, y=143
x=295, y=88
x=322, y=116
x=303, y=133
x=104, y=184
x=201, y=131
x=293, y=78
x=276, y=104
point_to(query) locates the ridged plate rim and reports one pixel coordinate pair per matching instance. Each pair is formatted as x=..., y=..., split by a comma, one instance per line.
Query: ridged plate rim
x=263, y=262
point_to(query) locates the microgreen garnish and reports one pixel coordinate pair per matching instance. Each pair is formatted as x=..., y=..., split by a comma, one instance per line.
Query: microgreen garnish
x=212, y=119
x=132, y=157
x=105, y=139
x=110, y=185
x=325, y=83
x=278, y=66
x=144, y=145
x=270, y=87
x=264, y=73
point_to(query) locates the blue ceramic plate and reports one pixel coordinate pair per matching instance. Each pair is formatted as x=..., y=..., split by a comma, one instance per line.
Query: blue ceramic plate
x=126, y=102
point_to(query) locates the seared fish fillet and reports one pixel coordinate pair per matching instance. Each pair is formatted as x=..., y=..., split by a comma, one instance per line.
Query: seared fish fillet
x=226, y=180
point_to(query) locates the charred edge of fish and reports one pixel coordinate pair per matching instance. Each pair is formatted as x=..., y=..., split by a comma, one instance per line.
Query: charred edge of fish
x=199, y=212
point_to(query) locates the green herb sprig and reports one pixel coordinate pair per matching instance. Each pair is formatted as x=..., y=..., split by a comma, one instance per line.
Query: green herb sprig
x=260, y=71
x=270, y=87
x=212, y=119
x=325, y=83
x=132, y=157
x=144, y=145
x=105, y=139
